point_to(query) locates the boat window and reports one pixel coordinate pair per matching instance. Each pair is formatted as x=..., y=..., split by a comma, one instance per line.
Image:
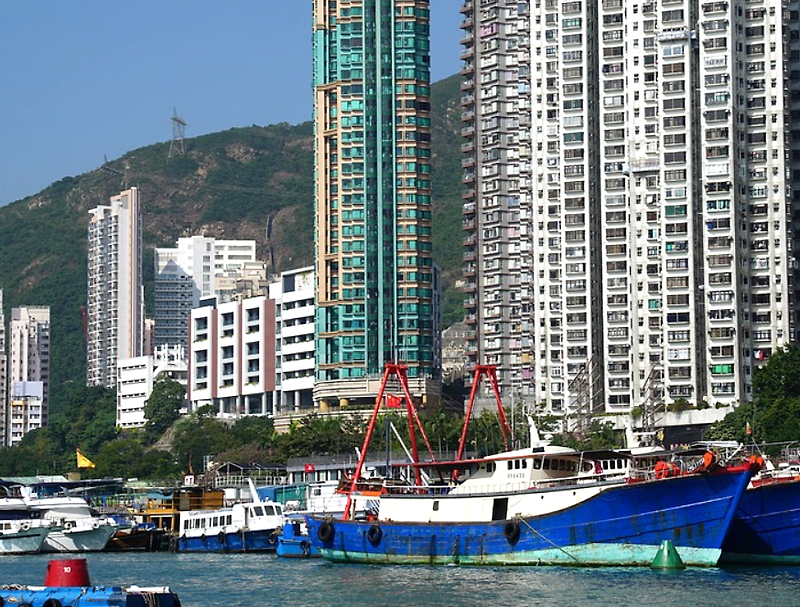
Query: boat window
x=510, y=464
x=260, y=511
x=562, y=464
x=490, y=467
x=435, y=505
x=574, y=466
x=524, y=464
x=537, y=464
x=215, y=522
x=546, y=464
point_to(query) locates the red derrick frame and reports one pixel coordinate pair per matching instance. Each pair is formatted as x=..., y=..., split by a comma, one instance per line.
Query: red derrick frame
x=490, y=371
x=399, y=371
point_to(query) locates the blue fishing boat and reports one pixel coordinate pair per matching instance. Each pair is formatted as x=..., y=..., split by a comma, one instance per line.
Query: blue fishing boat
x=534, y=506
x=91, y=596
x=766, y=527
x=293, y=541
x=67, y=583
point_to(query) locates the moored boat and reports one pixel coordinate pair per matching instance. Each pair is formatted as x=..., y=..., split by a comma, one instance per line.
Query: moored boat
x=74, y=525
x=67, y=583
x=21, y=529
x=541, y=505
x=293, y=541
x=766, y=527
x=244, y=527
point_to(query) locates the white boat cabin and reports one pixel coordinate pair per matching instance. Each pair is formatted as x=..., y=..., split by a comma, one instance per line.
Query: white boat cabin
x=254, y=516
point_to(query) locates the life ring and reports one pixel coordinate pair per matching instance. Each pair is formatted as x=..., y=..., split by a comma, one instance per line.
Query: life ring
x=221, y=537
x=374, y=534
x=273, y=538
x=24, y=527
x=662, y=469
x=69, y=524
x=511, y=531
x=51, y=602
x=95, y=525
x=326, y=532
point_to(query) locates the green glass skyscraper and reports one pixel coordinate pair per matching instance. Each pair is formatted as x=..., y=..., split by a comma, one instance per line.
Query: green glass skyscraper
x=377, y=289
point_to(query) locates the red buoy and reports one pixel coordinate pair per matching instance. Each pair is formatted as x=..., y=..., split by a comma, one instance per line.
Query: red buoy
x=67, y=572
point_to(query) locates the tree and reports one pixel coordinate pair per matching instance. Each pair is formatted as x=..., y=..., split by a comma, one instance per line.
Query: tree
x=774, y=413
x=163, y=407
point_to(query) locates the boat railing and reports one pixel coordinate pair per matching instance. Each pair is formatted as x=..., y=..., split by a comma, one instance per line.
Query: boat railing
x=491, y=488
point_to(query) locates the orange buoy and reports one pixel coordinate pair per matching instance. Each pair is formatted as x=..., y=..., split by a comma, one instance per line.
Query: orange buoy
x=662, y=469
x=67, y=572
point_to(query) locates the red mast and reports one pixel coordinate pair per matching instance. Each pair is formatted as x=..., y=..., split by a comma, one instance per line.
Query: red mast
x=399, y=371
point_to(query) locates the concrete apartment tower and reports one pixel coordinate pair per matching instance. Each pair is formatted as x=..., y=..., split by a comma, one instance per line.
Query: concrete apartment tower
x=188, y=273
x=630, y=189
x=376, y=282
x=28, y=371
x=115, y=309
x=3, y=370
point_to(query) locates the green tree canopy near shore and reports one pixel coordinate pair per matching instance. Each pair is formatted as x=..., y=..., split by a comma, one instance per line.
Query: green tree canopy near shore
x=774, y=414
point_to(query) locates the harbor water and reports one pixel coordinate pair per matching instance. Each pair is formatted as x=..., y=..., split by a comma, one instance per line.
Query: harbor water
x=256, y=580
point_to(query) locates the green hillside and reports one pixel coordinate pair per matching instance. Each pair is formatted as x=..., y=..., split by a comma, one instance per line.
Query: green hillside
x=254, y=182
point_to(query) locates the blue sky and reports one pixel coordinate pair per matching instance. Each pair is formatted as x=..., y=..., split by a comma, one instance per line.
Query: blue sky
x=88, y=78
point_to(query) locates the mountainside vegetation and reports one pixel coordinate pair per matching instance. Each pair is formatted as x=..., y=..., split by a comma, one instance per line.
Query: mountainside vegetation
x=243, y=183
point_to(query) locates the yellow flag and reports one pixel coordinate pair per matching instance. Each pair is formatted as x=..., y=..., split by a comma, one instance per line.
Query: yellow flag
x=83, y=461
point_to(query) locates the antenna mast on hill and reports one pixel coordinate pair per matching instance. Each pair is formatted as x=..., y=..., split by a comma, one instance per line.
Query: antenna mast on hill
x=178, y=130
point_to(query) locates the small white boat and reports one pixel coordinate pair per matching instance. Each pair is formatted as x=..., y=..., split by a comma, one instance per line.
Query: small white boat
x=20, y=532
x=74, y=525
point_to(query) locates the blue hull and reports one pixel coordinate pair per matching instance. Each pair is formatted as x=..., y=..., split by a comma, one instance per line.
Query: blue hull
x=766, y=527
x=297, y=548
x=97, y=596
x=623, y=525
x=249, y=541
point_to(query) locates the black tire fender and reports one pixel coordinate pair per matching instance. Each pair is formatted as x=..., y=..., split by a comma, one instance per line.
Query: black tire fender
x=511, y=531
x=374, y=534
x=326, y=532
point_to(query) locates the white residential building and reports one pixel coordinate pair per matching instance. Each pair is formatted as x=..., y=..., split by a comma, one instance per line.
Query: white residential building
x=115, y=310
x=135, y=378
x=630, y=196
x=28, y=371
x=3, y=370
x=293, y=295
x=188, y=273
x=232, y=357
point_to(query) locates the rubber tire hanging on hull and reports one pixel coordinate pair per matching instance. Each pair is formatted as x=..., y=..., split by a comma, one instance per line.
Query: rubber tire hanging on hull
x=511, y=531
x=374, y=535
x=326, y=532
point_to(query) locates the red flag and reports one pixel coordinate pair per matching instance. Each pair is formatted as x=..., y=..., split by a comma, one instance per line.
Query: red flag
x=308, y=468
x=393, y=402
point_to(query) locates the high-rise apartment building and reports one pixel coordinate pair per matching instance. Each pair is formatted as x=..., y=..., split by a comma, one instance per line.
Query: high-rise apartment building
x=3, y=370
x=28, y=371
x=115, y=309
x=648, y=255
x=188, y=273
x=375, y=276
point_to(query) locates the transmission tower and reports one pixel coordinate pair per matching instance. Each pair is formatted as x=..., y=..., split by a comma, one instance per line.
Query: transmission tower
x=178, y=131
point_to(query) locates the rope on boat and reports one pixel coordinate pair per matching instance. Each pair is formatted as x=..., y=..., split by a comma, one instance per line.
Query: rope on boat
x=553, y=544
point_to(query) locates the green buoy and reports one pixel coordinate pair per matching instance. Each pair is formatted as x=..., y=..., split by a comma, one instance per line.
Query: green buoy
x=667, y=557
